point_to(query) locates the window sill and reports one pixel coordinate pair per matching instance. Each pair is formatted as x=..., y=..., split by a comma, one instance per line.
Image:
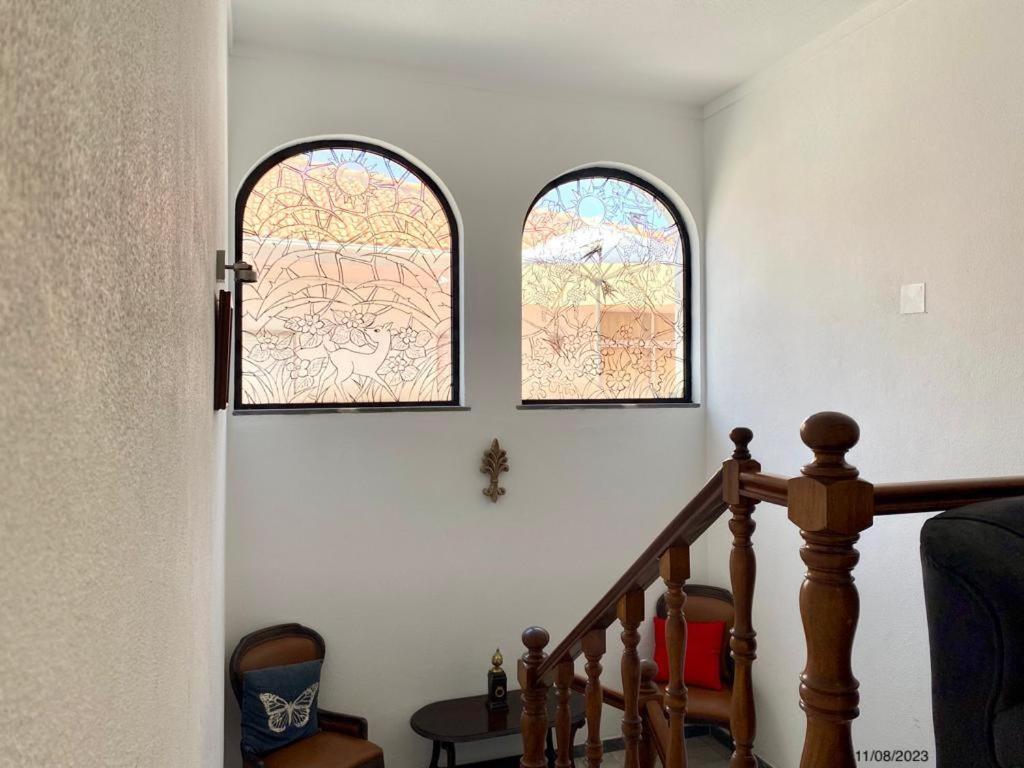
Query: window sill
x=357, y=409
x=599, y=405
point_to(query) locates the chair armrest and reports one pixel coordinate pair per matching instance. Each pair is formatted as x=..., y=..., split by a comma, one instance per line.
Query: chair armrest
x=341, y=723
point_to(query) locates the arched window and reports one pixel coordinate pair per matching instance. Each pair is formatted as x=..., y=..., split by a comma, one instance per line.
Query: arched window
x=606, y=293
x=357, y=296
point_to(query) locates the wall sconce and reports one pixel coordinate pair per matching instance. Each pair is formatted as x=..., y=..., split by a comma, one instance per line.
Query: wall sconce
x=244, y=271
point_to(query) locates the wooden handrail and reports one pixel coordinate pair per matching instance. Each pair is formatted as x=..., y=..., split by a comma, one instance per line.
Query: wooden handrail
x=762, y=486
x=898, y=498
x=903, y=498
x=695, y=518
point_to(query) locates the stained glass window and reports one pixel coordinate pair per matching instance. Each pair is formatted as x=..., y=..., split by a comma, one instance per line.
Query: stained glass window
x=605, y=287
x=356, y=302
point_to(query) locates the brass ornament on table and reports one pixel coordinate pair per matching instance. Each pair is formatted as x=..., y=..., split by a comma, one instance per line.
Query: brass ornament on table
x=494, y=463
x=497, y=684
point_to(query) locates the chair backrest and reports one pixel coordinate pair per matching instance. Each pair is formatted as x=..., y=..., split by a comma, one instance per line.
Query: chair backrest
x=704, y=603
x=273, y=647
x=972, y=561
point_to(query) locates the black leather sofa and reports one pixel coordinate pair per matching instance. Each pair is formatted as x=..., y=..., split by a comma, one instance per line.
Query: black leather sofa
x=973, y=561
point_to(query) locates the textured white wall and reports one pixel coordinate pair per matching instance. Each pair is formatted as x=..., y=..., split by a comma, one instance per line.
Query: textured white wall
x=372, y=527
x=893, y=155
x=112, y=132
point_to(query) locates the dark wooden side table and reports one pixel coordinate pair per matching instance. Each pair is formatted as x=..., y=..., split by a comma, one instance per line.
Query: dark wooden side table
x=450, y=722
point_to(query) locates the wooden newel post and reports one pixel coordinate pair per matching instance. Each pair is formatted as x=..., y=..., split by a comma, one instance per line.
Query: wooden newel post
x=742, y=572
x=831, y=506
x=534, y=722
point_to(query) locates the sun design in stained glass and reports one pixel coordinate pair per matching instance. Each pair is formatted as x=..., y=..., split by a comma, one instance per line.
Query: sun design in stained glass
x=354, y=302
x=353, y=179
x=590, y=210
x=604, y=288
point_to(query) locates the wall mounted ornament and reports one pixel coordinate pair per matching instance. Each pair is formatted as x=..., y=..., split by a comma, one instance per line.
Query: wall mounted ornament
x=494, y=463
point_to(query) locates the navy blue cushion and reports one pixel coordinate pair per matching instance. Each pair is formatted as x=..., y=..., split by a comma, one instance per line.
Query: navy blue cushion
x=279, y=705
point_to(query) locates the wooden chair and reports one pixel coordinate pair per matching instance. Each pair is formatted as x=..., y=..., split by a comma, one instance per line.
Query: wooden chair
x=703, y=603
x=342, y=740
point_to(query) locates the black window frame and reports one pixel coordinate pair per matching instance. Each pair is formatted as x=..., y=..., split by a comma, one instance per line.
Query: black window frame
x=426, y=178
x=612, y=172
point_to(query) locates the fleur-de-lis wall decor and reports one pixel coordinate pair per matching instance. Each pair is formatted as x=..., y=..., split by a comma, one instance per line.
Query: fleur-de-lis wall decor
x=495, y=462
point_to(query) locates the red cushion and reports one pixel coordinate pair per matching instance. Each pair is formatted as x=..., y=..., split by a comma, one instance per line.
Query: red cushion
x=702, y=664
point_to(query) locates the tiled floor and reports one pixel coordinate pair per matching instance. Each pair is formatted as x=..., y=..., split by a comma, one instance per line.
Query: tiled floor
x=701, y=752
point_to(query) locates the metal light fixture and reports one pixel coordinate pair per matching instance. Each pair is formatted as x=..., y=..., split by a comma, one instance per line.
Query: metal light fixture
x=244, y=271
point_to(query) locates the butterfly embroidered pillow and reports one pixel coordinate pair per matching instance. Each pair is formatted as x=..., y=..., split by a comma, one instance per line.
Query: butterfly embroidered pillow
x=279, y=705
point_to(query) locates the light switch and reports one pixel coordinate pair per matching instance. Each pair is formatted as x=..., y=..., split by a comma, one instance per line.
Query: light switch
x=911, y=298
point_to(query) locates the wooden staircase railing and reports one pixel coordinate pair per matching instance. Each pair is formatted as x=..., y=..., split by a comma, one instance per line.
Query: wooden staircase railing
x=831, y=505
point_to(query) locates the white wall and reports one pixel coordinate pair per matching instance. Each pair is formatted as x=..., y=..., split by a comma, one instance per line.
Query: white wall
x=372, y=528
x=112, y=128
x=890, y=155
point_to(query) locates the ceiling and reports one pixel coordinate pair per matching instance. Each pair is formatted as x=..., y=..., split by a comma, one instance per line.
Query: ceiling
x=688, y=51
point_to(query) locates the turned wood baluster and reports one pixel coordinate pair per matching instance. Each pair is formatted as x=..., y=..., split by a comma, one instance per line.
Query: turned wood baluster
x=534, y=720
x=564, y=673
x=742, y=571
x=675, y=570
x=631, y=614
x=593, y=649
x=648, y=692
x=831, y=506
